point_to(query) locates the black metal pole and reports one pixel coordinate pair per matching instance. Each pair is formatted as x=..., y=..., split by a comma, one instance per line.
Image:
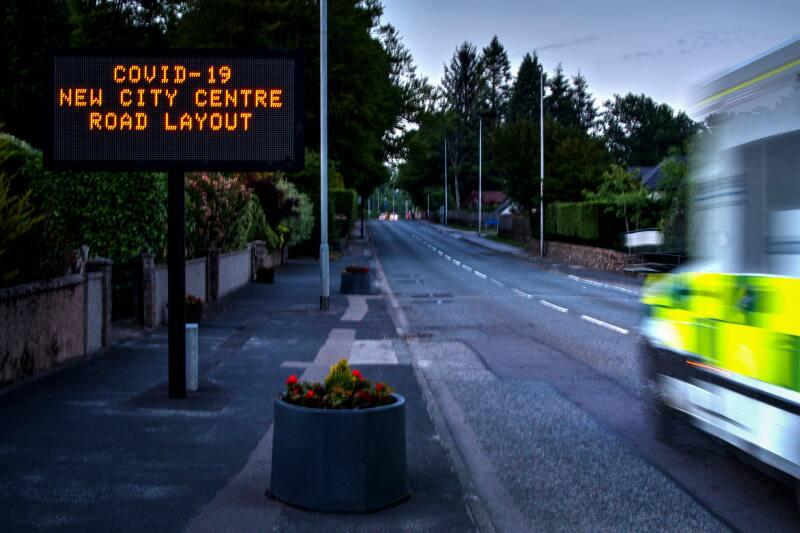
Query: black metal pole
x=177, y=284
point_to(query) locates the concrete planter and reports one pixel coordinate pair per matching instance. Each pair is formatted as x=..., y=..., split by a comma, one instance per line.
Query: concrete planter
x=356, y=283
x=340, y=460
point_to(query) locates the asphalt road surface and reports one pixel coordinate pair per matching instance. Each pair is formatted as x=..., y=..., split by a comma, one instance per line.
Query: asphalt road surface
x=537, y=376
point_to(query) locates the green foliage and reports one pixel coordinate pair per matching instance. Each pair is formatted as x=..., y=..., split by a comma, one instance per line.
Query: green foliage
x=16, y=219
x=640, y=132
x=497, y=73
x=344, y=205
x=218, y=208
x=625, y=195
x=673, y=191
x=591, y=222
x=524, y=101
x=117, y=214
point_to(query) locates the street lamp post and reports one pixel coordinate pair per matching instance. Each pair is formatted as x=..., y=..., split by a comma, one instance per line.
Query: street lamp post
x=480, y=173
x=541, y=163
x=445, y=181
x=325, y=297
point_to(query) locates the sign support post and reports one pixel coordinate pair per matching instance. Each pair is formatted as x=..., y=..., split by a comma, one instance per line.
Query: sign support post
x=176, y=271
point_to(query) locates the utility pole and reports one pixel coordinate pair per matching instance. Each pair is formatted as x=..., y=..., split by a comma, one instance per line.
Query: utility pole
x=428, y=210
x=325, y=297
x=541, y=162
x=480, y=172
x=445, y=181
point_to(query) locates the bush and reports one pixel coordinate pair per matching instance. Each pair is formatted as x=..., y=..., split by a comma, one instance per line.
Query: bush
x=219, y=212
x=16, y=219
x=343, y=389
x=344, y=206
x=283, y=206
x=117, y=214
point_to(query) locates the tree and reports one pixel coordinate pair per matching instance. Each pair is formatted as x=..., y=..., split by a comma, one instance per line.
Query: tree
x=559, y=103
x=625, y=193
x=673, y=193
x=574, y=162
x=640, y=132
x=524, y=100
x=583, y=103
x=464, y=92
x=497, y=73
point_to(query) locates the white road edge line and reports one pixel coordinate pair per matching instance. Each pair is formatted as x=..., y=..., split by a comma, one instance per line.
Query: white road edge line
x=553, y=306
x=521, y=293
x=480, y=274
x=498, y=283
x=604, y=285
x=612, y=327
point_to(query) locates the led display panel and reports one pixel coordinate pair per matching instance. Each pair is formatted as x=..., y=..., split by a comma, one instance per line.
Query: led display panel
x=174, y=110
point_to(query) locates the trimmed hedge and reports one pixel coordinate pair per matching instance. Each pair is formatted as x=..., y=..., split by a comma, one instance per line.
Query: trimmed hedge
x=583, y=222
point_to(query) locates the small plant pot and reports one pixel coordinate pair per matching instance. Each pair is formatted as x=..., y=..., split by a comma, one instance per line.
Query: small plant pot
x=265, y=275
x=356, y=283
x=194, y=312
x=340, y=460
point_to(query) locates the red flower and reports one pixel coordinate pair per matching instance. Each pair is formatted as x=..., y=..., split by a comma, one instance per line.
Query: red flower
x=291, y=380
x=357, y=374
x=310, y=393
x=296, y=390
x=378, y=387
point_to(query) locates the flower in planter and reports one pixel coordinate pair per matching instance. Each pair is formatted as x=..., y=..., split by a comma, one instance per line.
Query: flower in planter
x=193, y=300
x=343, y=388
x=356, y=269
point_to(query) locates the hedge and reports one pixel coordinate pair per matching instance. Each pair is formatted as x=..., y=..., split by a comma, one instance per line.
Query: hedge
x=583, y=222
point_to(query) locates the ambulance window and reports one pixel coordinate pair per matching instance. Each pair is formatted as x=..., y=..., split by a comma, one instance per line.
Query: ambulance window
x=782, y=217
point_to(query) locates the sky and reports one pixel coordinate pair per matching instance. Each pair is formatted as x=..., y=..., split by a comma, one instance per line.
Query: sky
x=661, y=49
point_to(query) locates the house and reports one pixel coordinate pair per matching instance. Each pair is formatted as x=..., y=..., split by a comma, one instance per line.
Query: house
x=652, y=176
x=487, y=198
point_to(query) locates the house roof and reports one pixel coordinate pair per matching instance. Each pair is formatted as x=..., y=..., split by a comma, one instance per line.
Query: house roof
x=652, y=176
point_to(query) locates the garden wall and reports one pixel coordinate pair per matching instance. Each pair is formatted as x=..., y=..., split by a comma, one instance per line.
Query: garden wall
x=43, y=324
x=196, y=278
x=235, y=271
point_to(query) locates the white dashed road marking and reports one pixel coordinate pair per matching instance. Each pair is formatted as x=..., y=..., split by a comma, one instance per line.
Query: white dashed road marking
x=498, y=283
x=553, y=306
x=521, y=293
x=456, y=262
x=465, y=267
x=480, y=274
x=612, y=327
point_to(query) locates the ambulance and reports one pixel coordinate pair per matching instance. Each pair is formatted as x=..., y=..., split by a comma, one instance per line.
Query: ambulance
x=722, y=332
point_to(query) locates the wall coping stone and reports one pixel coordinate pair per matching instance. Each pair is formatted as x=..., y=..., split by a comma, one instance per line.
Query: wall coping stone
x=27, y=289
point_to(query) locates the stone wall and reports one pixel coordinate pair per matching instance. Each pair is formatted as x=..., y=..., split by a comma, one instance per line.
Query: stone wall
x=195, y=285
x=587, y=256
x=46, y=323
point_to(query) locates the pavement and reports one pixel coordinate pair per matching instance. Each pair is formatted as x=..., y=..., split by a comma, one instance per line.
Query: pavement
x=98, y=447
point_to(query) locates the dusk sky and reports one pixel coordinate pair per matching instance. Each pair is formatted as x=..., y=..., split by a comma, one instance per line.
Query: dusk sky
x=659, y=48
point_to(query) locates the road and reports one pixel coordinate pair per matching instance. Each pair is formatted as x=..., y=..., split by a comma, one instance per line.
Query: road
x=537, y=378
